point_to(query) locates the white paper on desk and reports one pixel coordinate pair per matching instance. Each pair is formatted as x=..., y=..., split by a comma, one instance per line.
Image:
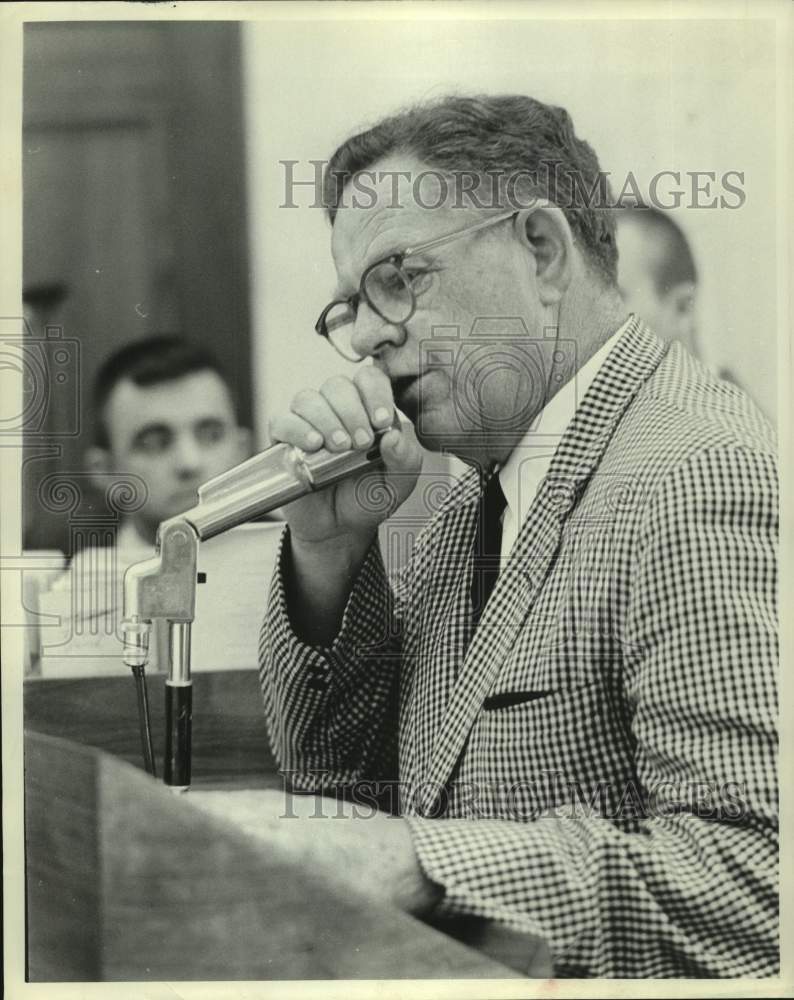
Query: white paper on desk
x=230, y=606
x=249, y=809
x=82, y=637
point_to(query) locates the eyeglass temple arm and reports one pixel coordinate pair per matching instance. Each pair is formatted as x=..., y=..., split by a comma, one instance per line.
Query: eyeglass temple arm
x=441, y=240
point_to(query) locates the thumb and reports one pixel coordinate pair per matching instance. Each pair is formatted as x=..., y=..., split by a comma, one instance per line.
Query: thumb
x=400, y=450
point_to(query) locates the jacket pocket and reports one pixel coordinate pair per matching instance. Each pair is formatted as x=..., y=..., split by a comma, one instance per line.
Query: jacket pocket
x=507, y=699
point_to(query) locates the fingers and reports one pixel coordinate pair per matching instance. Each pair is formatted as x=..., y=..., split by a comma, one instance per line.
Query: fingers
x=376, y=393
x=292, y=429
x=342, y=414
x=335, y=412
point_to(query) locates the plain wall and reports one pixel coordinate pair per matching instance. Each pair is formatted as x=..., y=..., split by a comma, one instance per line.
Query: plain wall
x=648, y=95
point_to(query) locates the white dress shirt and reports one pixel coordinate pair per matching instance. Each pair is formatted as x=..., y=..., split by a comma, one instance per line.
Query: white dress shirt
x=529, y=461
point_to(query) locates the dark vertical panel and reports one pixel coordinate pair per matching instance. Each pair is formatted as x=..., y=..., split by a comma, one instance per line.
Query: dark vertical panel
x=207, y=191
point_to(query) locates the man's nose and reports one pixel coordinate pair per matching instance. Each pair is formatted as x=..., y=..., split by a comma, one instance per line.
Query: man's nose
x=372, y=333
x=188, y=456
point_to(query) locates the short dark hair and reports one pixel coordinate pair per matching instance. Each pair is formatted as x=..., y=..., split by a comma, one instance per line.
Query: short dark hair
x=489, y=136
x=156, y=359
x=674, y=264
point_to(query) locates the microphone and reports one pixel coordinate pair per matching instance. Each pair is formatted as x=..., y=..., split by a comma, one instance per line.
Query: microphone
x=275, y=477
x=164, y=587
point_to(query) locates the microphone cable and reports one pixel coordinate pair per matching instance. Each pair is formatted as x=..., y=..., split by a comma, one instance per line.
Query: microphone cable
x=144, y=720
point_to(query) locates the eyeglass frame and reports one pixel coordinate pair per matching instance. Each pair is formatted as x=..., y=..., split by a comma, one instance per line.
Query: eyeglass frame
x=397, y=259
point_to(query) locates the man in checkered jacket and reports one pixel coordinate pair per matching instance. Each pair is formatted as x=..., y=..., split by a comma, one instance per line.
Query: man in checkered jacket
x=572, y=681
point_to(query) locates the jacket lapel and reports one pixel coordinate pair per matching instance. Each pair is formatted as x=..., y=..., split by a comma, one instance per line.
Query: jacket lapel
x=444, y=629
x=629, y=364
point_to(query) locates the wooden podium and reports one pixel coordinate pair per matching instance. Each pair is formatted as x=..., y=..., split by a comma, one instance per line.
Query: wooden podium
x=127, y=881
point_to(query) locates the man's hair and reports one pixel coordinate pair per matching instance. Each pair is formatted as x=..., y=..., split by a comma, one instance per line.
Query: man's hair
x=673, y=263
x=495, y=138
x=151, y=361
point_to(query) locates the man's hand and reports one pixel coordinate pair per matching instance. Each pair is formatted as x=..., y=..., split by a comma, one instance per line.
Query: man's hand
x=332, y=530
x=368, y=852
x=345, y=414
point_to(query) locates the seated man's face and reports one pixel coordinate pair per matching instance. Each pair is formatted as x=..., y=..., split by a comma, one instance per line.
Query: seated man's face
x=670, y=314
x=458, y=366
x=175, y=435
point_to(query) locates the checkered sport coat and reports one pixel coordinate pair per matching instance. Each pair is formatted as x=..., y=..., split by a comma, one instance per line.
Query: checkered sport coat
x=596, y=763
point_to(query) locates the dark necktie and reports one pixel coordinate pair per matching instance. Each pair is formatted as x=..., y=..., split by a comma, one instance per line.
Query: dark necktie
x=487, y=545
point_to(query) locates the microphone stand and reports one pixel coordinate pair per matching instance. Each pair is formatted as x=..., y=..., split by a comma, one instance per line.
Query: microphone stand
x=164, y=587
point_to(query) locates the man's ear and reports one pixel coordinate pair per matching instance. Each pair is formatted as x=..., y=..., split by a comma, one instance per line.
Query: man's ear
x=545, y=231
x=680, y=300
x=98, y=462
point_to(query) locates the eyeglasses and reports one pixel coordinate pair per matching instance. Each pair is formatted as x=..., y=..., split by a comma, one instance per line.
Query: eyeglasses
x=388, y=289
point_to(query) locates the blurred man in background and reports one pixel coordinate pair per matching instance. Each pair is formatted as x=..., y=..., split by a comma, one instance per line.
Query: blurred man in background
x=165, y=420
x=657, y=276
x=163, y=412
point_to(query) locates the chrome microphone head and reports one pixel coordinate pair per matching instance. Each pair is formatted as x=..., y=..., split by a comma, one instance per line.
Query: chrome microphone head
x=273, y=478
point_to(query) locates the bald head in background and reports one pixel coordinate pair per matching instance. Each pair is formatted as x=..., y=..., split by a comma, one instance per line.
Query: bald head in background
x=657, y=276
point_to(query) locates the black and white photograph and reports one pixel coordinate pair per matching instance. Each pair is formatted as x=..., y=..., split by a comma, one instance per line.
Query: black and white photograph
x=395, y=399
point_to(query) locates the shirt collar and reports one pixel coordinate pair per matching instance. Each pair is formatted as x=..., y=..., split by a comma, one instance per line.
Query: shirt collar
x=531, y=457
